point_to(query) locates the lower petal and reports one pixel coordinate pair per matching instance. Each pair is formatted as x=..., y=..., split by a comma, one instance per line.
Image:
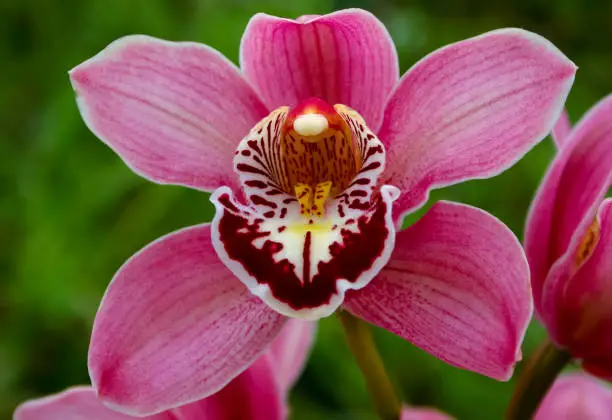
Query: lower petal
x=574, y=397
x=302, y=269
x=78, y=403
x=457, y=286
x=175, y=326
x=253, y=395
x=289, y=351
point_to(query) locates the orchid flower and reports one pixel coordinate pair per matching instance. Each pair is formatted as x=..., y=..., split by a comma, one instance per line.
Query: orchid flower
x=258, y=393
x=314, y=150
x=568, y=241
x=576, y=396
x=412, y=413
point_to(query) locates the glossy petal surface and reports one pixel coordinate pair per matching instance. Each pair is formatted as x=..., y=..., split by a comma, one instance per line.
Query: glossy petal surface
x=471, y=110
x=175, y=326
x=573, y=187
x=457, y=286
x=174, y=112
x=346, y=57
x=576, y=397
x=78, y=403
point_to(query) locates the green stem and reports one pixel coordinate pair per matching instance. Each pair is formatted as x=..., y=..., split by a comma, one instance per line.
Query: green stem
x=540, y=372
x=361, y=344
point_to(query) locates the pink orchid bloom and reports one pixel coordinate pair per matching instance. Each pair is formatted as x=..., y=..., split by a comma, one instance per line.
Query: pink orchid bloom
x=568, y=241
x=308, y=201
x=258, y=393
x=576, y=396
x=412, y=413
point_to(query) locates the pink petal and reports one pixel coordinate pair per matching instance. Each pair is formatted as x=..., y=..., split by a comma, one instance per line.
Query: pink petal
x=289, y=351
x=576, y=397
x=175, y=326
x=345, y=57
x=78, y=403
x=574, y=185
x=253, y=395
x=577, y=294
x=471, y=110
x=410, y=413
x=562, y=129
x=174, y=112
x=457, y=286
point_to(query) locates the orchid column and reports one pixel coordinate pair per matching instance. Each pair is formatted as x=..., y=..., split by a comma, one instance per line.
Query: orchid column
x=314, y=151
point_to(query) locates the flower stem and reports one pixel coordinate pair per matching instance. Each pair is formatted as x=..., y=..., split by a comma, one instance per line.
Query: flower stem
x=361, y=344
x=540, y=372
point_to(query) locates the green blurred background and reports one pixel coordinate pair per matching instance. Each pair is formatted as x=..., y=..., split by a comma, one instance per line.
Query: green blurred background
x=71, y=212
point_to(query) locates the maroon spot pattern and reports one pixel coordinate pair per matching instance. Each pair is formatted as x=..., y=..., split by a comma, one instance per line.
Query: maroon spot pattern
x=356, y=254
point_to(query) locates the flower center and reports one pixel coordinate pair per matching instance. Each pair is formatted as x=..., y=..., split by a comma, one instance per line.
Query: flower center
x=313, y=222
x=319, y=153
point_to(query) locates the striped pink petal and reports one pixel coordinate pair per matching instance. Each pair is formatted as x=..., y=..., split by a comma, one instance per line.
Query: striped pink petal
x=575, y=184
x=175, y=326
x=345, y=57
x=471, y=110
x=78, y=403
x=173, y=111
x=255, y=394
x=457, y=286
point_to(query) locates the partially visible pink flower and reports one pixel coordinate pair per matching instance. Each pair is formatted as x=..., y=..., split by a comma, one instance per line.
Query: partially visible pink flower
x=335, y=149
x=414, y=413
x=568, y=241
x=576, y=396
x=258, y=393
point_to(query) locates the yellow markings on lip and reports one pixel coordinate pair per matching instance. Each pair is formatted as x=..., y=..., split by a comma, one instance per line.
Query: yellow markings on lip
x=588, y=242
x=315, y=227
x=312, y=204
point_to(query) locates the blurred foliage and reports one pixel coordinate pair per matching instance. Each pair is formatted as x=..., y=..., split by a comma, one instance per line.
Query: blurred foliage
x=71, y=212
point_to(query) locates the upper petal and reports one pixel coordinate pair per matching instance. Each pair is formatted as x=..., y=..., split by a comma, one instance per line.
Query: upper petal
x=471, y=110
x=457, y=285
x=573, y=187
x=255, y=394
x=78, y=403
x=576, y=397
x=173, y=111
x=345, y=57
x=175, y=326
x=290, y=349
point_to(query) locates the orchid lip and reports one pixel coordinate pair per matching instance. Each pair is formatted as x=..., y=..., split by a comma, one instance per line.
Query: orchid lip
x=315, y=224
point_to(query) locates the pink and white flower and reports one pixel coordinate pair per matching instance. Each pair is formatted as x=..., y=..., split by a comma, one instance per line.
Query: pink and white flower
x=335, y=149
x=259, y=393
x=568, y=241
x=576, y=396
